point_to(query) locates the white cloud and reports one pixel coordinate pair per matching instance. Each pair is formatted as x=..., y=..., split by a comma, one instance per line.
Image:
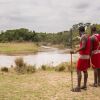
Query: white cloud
x=47, y=15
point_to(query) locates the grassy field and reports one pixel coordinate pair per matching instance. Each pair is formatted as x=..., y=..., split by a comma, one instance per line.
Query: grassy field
x=18, y=48
x=43, y=85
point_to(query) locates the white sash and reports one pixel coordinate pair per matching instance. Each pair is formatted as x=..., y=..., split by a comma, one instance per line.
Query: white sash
x=84, y=56
x=96, y=51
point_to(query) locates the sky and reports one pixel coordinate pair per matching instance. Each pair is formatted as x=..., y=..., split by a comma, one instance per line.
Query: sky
x=47, y=15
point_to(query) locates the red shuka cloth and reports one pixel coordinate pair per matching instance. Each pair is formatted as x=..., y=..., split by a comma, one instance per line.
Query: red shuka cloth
x=95, y=59
x=84, y=64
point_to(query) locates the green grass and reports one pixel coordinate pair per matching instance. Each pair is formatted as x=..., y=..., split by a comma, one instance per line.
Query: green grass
x=43, y=85
x=18, y=48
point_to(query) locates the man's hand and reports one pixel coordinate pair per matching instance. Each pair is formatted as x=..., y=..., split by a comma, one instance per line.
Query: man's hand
x=72, y=52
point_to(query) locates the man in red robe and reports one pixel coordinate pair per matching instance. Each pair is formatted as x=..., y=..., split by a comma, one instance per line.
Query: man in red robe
x=95, y=56
x=83, y=62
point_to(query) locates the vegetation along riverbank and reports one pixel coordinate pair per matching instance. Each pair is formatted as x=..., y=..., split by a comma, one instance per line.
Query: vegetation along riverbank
x=18, y=48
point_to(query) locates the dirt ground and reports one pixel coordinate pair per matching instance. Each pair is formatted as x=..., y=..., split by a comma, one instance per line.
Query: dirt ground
x=44, y=85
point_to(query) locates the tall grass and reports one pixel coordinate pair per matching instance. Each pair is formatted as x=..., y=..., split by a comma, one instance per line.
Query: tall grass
x=22, y=67
x=61, y=67
x=65, y=67
x=31, y=69
x=18, y=48
x=47, y=68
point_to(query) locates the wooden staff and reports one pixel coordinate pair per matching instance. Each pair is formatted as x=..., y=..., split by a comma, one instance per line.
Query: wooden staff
x=71, y=62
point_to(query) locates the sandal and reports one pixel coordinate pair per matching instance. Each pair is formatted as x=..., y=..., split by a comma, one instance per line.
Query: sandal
x=84, y=87
x=77, y=89
x=94, y=85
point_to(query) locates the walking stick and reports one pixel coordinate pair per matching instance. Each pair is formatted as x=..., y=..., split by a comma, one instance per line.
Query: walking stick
x=71, y=62
x=71, y=74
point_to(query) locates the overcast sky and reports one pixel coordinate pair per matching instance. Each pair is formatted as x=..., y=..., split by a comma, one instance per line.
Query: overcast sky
x=47, y=15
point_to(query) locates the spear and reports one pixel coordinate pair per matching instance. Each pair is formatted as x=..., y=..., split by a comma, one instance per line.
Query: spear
x=71, y=61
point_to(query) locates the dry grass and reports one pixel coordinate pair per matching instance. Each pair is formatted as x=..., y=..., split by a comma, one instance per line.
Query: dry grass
x=18, y=48
x=66, y=66
x=43, y=85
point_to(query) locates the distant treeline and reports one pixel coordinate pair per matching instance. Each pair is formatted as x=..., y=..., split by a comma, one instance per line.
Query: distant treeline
x=25, y=35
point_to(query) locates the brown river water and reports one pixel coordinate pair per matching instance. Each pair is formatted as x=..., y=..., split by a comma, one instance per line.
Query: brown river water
x=50, y=56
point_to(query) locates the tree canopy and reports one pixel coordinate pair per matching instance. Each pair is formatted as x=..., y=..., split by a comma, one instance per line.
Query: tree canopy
x=23, y=34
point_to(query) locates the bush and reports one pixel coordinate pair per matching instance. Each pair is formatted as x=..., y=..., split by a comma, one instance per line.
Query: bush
x=31, y=69
x=60, y=68
x=51, y=68
x=19, y=62
x=48, y=68
x=66, y=66
x=4, y=69
x=22, y=67
x=44, y=67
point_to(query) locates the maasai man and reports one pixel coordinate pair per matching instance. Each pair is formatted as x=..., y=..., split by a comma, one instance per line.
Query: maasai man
x=95, y=56
x=84, y=60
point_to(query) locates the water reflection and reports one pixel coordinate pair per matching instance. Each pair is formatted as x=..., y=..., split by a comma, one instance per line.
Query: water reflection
x=51, y=57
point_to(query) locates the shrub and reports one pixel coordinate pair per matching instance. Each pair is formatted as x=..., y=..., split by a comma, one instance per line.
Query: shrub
x=4, y=69
x=66, y=66
x=31, y=69
x=60, y=68
x=44, y=67
x=19, y=62
x=48, y=68
x=22, y=67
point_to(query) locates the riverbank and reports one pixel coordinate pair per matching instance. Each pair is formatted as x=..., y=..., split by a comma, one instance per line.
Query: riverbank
x=25, y=48
x=18, y=48
x=65, y=49
x=43, y=85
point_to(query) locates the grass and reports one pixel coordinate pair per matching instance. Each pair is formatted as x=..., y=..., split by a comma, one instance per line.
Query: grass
x=43, y=85
x=47, y=68
x=65, y=66
x=18, y=48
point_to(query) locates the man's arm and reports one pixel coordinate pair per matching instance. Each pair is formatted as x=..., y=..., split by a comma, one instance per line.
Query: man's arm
x=84, y=40
x=92, y=40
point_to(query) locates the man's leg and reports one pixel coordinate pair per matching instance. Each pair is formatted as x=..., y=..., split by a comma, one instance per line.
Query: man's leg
x=95, y=77
x=98, y=76
x=85, y=80
x=79, y=76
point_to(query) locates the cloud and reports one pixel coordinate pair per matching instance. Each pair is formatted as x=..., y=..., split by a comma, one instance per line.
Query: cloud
x=47, y=15
x=82, y=6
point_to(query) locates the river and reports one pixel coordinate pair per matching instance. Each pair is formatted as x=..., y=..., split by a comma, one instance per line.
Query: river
x=48, y=56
